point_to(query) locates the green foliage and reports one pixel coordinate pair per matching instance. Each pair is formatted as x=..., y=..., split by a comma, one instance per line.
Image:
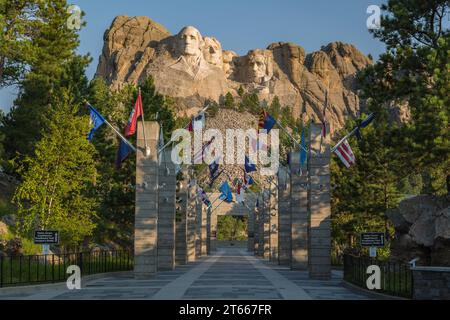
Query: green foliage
x=231, y=228
x=114, y=189
x=53, y=66
x=250, y=103
x=35, y=37
x=229, y=101
x=362, y=193
x=241, y=91
x=414, y=69
x=56, y=191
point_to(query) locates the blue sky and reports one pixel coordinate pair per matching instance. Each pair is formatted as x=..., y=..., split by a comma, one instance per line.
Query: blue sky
x=240, y=25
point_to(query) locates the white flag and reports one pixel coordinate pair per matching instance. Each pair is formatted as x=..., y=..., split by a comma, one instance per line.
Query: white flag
x=199, y=121
x=345, y=153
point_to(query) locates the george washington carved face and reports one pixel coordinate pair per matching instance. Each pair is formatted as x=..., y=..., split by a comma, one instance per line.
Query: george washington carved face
x=190, y=42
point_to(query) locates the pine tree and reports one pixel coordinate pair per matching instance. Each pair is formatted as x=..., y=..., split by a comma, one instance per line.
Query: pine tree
x=414, y=69
x=57, y=180
x=53, y=66
x=229, y=100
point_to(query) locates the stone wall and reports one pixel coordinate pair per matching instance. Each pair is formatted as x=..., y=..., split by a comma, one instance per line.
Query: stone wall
x=431, y=283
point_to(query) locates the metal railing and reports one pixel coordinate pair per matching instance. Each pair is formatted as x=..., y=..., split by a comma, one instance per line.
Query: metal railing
x=32, y=269
x=396, y=278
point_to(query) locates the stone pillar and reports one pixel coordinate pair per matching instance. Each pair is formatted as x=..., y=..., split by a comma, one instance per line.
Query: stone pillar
x=256, y=213
x=319, y=204
x=191, y=225
x=146, y=208
x=250, y=230
x=198, y=228
x=181, y=222
x=213, y=232
x=204, y=228
x=265, y=223
x=166, y=212
x=273, y=216
x=261, y=210
x=284, y=216
x=299, y=214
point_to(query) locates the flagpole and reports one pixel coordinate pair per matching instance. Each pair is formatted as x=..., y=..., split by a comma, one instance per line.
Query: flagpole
x=343, y=139
x=117, y=132
x=290, y=136
x=217, y=206
x=170, y=141
x=147, y=149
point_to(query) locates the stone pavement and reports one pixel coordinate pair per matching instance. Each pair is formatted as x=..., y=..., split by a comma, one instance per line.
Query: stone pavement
x=230, y=273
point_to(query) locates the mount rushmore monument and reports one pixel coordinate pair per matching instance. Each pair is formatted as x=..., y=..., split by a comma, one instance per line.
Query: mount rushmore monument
x=192, y=68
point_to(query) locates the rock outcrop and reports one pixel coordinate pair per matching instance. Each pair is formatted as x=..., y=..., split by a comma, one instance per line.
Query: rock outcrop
x=192, y=68
x=422, y=226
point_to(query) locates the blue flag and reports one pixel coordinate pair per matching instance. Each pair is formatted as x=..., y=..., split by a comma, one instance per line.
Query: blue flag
x=367, y=121
x=363, y=124
x=303, y=154
x=96, y=121
x=226, y=194
x=266, y=121
x=249, y=167
x=123, y=153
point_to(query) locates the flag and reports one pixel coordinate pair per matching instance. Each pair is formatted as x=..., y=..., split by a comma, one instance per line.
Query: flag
x=123, y=153
x=249, y=167
x=226, y=194
x=214, y=172
x=96, y=121
x=204, y=197
x=367, y=121
x=239, y=193
x=198, y=157
x=345, y=153
x=199, y=121
x=257, y=145
x=160, y=144
x=266, y=121
x=363, y=124
x=303, y=154
x=248, y=180
x=130, y=129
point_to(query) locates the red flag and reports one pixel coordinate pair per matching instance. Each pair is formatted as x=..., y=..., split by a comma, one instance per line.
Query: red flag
x=130, y=129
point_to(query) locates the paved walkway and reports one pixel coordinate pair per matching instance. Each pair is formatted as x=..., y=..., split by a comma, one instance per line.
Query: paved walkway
x=231, y=273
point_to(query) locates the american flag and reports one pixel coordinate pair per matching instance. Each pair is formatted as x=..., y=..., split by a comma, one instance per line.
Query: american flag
x=198, y=157
x=345, y=153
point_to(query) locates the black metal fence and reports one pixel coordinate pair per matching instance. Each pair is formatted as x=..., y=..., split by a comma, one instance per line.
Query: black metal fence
x=25, y=270
x=396, y=278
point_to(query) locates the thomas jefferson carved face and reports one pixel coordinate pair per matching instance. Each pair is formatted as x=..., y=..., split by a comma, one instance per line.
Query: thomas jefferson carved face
x=213, y=51
x=190, y=42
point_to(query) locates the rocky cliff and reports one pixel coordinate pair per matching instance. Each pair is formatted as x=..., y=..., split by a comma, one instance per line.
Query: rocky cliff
x=422, y=230
x=192, y=68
